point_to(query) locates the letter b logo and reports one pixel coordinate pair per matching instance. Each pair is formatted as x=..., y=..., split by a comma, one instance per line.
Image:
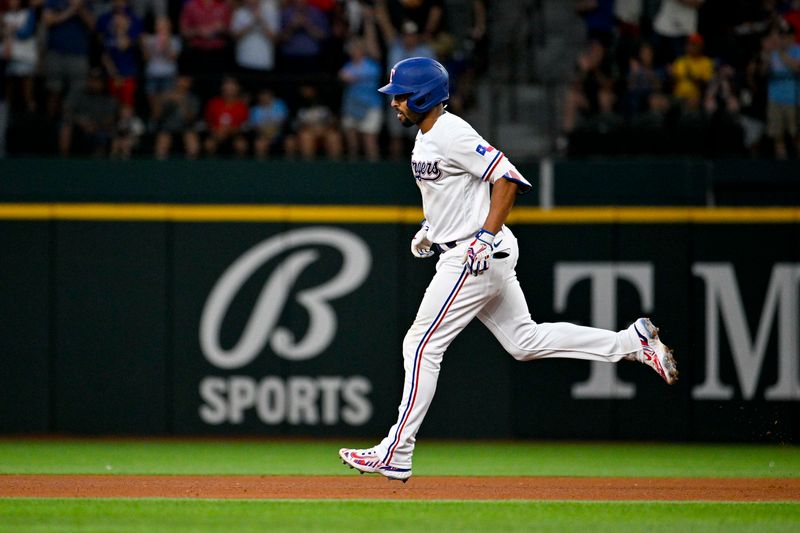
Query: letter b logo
x=262, y=325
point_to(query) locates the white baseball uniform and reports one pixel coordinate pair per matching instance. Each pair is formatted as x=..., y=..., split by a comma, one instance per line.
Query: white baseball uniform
x=454, y=166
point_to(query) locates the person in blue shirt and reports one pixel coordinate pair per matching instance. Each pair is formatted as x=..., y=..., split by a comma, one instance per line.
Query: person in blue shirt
x=66, y=62
x=120, y=30
x=362, y=106
x=267, y=120
x=783, y=90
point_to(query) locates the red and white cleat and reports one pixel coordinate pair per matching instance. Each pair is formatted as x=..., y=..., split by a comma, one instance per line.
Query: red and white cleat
x=368, y=462
x=655, y=353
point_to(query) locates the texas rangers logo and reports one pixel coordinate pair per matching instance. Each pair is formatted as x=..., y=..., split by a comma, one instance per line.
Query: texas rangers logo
x=391, y=76
x=426, y=170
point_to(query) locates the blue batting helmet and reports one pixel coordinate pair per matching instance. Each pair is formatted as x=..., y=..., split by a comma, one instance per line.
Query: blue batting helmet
x=425, y=80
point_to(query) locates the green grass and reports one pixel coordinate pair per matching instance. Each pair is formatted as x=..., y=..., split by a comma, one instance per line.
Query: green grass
x=93, y=456
x=356, y=516
x=153, y=456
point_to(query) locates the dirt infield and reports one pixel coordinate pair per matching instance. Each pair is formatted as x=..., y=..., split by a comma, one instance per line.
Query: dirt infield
x=418, y=488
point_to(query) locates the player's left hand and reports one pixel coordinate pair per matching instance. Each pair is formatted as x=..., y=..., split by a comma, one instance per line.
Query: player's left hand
x=479, y=252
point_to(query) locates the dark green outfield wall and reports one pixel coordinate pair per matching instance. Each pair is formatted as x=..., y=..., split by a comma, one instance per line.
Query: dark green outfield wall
x=116, y=326
x=612, y=182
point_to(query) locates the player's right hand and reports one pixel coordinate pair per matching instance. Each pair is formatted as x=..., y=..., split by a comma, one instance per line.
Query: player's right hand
x=420, y=245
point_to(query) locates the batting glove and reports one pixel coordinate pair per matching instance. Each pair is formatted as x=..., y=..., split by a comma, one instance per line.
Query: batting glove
x=479, y=252
x=420, y=245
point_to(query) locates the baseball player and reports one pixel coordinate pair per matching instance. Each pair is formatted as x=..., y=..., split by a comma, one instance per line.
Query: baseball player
x=468, y=188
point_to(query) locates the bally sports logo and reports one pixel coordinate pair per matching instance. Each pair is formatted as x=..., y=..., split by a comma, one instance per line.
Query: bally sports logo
x=300, y=399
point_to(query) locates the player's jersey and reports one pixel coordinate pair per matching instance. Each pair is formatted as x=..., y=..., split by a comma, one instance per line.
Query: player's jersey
x=454, y=166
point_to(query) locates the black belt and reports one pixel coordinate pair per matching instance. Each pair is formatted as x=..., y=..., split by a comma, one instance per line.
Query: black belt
x=444, y=246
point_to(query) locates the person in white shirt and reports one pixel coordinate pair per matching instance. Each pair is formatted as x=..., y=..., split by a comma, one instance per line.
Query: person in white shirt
x=160, y=51
x=255, y=26
x=468, y=188
x=675, y=21
x=18, y=47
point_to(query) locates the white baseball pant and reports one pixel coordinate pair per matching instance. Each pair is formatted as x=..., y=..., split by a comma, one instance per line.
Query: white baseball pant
x=453, y=298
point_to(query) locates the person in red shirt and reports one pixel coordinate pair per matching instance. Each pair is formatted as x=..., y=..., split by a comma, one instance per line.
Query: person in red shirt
x=792, y=16
x=225, y=117
x=204, y=29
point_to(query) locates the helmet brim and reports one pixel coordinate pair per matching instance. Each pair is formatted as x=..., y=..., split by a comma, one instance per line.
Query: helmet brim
x=393, y=88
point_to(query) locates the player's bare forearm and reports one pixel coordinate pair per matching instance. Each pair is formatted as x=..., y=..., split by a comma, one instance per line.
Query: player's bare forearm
x=504, y=192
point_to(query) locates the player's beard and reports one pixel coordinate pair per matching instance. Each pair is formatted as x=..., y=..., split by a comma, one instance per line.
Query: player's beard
x=407, y=120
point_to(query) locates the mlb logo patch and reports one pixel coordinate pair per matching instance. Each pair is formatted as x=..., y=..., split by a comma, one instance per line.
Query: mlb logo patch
x=483, y=149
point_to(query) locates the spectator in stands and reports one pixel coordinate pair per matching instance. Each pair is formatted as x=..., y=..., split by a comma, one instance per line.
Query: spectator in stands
x=353, y=15
x=255, y=27
x=129, y=129
x=751, y=22
x=119, y=31
x=89, y=118
x=69, y=26
x=268, y=118
x=593, y=75
x=461, y=70
x=598, y=15
x=691, y=129
x=783, y=56
x=408, y=42
x=628, y=16
x=314, y=128
x=160, y=51
x=205, y=56
x=177, y=119
x=362, y=105
x=692, y=71
x=149, y=11
x=675, y=21
x=721, y=93
x=753, y=96
x=304, y=30
x=650, y=128
x=601, y=132
x=465, y=56
x=792, y=16
x=644, y=78
x=18, y=47
x=477, y=42
x=399, y=45
x=427, y=15
x=721, y=105
x=226, y=116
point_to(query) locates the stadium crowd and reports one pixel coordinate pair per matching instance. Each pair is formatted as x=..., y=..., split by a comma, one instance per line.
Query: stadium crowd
x=199, y=78
x=298, y=78
x=690, y=77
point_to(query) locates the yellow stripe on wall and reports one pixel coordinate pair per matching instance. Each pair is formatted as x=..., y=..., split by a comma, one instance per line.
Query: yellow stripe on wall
x=375, y=214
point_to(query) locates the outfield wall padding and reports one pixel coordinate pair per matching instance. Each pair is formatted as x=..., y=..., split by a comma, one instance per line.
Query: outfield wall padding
x=231, y=324
x=101, y=331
